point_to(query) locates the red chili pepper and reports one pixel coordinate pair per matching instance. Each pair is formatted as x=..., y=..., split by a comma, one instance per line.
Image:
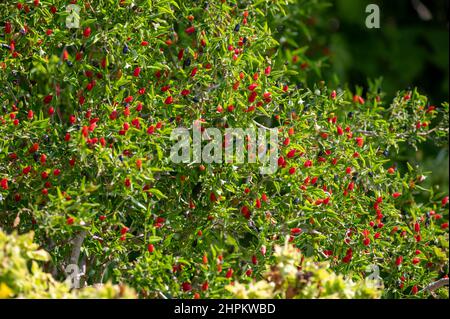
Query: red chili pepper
x=87, y=32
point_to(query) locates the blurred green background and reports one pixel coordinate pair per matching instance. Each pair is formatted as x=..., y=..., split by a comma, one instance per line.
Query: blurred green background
x=410, y=49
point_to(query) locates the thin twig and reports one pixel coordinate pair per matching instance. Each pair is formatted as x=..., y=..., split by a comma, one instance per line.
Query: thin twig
x=262, y=126
x=400, y=135
x=436, y=285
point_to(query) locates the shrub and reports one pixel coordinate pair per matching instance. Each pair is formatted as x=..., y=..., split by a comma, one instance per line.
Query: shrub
x=21, y=276
x=85, y=152
x=293, y=276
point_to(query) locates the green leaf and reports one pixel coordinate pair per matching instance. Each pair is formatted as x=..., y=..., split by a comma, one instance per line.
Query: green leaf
x=154, y=239
x=157, y=193
x=40, y=255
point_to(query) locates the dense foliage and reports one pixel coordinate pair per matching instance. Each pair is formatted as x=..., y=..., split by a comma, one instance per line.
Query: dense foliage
x=87, y=115
x=284, y=279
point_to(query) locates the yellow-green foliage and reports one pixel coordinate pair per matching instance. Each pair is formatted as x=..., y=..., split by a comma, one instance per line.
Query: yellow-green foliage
x=22, y=277
x=291, y=277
